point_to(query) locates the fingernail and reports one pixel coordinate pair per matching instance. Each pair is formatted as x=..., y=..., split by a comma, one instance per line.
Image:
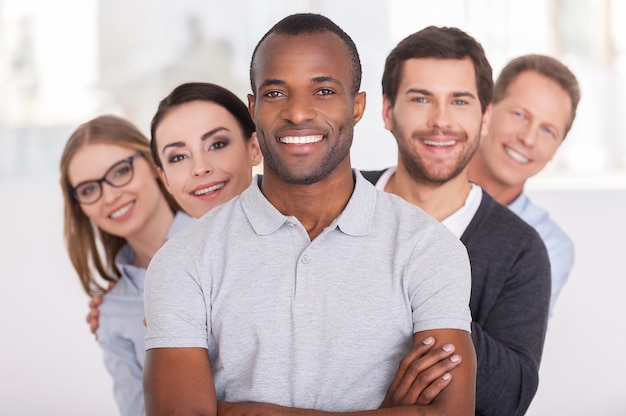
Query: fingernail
x=455, y=358
x=446, y=376
x=448, y=347
x=428, y=341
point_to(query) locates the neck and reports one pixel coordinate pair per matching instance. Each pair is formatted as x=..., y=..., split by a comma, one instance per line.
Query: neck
x=315, y=205
x=437, y=200
x=151, y=237
x=503, y=193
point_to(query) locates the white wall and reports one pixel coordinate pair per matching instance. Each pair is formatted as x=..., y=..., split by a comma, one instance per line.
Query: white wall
x=583, y=370
x=49, y=361
x=50, y=364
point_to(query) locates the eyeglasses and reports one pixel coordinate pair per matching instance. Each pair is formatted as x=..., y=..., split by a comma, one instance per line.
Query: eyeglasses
x=118, y=175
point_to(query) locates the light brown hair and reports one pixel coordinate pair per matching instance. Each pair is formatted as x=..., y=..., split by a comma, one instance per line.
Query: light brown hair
x=90, y=248
x=544, y=65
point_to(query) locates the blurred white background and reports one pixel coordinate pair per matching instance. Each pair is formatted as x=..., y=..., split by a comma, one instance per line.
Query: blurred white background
x=64, y=62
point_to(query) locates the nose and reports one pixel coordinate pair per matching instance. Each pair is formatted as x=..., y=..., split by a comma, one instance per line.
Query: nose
x=110, y=193
x=439, y=116
x=201, y=167
x=528, y=135
x=298, y=109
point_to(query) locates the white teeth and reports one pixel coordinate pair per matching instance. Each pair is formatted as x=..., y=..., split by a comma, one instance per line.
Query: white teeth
x=439, y=144
x=122, y=210
x=210, y=189
x=517, y=156
x=300, y=139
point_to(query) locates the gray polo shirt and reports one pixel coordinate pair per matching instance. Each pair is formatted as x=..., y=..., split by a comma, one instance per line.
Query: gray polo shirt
x=313, y=324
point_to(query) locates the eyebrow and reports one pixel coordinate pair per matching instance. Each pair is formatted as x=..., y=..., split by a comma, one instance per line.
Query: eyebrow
x=204, y=137
x=317, y=80
x=455, y=94
x=270, y=82
x=326, y=78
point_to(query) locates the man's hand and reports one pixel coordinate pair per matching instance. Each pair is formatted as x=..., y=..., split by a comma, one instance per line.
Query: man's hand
x=94, y=314
x=93, y=317
x=422, y=374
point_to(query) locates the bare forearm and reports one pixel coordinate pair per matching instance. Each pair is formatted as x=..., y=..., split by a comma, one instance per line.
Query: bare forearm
x=266, y=409
x=178, y=381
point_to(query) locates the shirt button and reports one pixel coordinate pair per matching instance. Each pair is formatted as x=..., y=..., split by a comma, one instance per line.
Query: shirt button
x=305, y=260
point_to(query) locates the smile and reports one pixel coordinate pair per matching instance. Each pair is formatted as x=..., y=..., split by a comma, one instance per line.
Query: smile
x=300, y=139
x=122, y=211
x=210, y=189
x=517, y=156
x=440, y=144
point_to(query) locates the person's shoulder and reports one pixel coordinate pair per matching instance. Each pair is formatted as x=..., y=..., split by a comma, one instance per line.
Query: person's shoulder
x=502, y=223
x=123, y=287
x=392, y=203
x=540, y=219
x=124, y=299
x=497, y=236
x=220, y=210
x=412, y=223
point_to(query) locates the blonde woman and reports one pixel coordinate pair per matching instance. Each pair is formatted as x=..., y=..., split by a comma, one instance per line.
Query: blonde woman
x=117, y=215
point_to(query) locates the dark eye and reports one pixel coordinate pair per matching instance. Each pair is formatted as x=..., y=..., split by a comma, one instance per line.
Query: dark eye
x=217, y=145
x=121, y=171
x=273, y=94
x=325, y=91
x=86, y=189
x=176, y=158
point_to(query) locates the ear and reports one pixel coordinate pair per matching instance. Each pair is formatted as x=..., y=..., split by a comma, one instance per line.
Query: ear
x=254, y=150
x=486, y=121
x=251, y=105
x=359, y=106
x=387, y=109
x=164, y=179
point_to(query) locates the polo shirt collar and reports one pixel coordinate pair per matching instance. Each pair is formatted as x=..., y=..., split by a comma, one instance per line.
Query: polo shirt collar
x=356, y=219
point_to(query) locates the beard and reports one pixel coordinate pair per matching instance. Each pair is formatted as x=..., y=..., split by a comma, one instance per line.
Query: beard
x=431, y=170
x=304, y=173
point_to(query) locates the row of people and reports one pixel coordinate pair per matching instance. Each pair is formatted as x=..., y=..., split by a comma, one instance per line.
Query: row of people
x=275, y=283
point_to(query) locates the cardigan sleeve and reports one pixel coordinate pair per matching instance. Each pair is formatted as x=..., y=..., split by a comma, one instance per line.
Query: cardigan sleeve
x=509, y=338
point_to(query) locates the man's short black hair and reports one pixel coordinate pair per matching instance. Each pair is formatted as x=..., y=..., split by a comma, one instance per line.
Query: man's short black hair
x=306, y=23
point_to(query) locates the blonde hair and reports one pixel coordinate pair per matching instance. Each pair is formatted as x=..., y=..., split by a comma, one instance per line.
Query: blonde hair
x=92, y=250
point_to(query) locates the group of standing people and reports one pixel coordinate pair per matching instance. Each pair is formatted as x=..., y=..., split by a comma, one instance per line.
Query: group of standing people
x=315, y=287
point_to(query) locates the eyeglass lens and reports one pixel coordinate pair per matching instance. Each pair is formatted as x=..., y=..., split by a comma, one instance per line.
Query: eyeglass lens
x=118, y=175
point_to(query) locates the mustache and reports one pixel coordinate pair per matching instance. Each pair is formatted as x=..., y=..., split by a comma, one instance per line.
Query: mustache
x=292, y=128
x=440, y=133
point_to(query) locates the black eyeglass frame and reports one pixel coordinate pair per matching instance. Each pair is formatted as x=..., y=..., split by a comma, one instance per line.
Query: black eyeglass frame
x=130, y=159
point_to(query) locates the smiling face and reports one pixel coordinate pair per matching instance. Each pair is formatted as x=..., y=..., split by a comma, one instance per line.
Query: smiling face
x=206, y=159
x=303, y=108
x=527, y=127
x=436, y=118
x=125, y=211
